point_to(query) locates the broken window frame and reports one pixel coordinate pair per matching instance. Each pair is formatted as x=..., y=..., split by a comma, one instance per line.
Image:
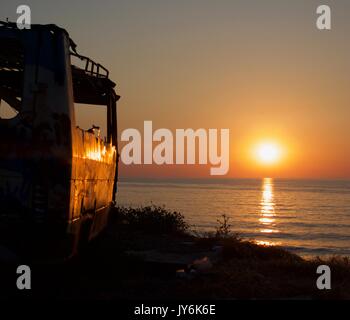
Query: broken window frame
x=90, y=86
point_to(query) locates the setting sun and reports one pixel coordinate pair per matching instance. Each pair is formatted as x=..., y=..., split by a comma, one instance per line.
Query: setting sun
x=268, y=153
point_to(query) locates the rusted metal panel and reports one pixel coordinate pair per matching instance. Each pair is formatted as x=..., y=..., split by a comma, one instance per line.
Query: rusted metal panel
x=93, y=172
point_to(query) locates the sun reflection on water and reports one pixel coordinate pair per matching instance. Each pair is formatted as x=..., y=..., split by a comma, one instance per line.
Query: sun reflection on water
x=267, y=243
x=267, y=219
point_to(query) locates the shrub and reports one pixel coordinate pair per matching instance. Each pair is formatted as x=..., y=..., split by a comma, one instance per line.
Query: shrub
x=152, y=219
x=223, y=230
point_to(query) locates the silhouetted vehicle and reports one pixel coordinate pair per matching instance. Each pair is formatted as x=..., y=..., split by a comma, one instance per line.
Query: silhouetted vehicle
x=57, y=181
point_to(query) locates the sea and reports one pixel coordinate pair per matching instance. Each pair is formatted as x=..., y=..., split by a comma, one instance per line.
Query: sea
x=308, y=217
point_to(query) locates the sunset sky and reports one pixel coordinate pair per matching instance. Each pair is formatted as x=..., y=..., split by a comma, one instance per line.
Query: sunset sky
x=260, y=68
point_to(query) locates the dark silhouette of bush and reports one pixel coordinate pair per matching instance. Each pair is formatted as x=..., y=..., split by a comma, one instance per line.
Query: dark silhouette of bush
x=151, y=219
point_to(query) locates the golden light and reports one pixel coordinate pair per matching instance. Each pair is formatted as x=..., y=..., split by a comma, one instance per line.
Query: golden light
x=268, y=152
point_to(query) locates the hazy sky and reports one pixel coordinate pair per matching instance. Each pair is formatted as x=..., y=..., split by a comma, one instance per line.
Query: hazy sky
x=260, y=68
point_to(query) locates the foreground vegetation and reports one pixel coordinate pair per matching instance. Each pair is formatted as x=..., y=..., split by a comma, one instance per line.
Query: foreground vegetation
x=150, y=253
x=244, y=269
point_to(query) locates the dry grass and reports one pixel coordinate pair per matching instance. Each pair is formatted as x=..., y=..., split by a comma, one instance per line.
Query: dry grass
x=247, y=270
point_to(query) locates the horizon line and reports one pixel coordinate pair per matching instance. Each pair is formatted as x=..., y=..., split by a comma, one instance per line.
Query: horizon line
x=122, y=179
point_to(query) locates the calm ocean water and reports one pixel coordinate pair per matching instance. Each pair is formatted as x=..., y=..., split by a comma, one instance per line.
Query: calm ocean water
x=309, y=217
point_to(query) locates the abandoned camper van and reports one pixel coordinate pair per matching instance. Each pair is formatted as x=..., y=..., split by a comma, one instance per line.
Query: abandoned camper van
x=57, y=181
